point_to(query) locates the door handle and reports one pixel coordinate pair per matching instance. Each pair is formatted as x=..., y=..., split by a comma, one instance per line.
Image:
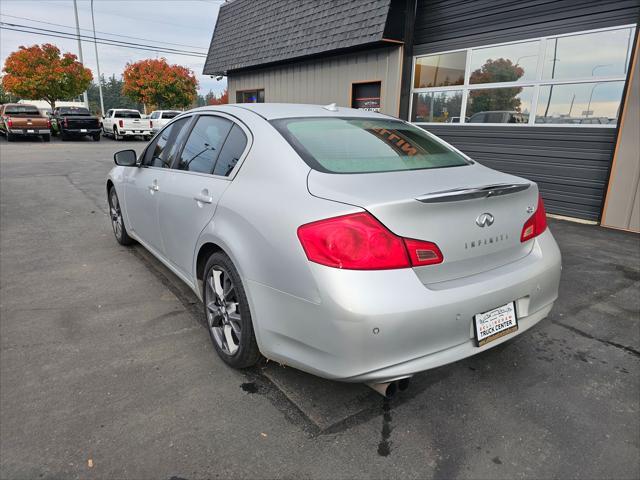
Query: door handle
x=203, y=199
x=153, y=187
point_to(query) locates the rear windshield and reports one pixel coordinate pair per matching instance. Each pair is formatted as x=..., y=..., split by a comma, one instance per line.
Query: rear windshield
x=357, y=145
x=73, y=111
x=170, y=114
x=20, y=110
x=127, y=114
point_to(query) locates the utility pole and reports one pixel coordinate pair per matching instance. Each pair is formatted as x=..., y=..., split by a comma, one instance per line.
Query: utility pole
x=95, y=44
x=75, y=8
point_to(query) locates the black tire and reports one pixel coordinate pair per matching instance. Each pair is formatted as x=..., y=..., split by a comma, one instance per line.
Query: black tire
x=96, y=137
x=10, y=137
x=63, y=136
x=247, y=353
x=46, y=138
x=116, y=135
x=115, y=215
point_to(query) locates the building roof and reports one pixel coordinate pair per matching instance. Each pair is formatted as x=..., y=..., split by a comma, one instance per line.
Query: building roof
x=252, y=33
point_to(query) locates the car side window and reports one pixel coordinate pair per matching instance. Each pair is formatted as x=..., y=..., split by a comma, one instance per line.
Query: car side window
x=231, y=152
x=204, y=143
x=161, y=151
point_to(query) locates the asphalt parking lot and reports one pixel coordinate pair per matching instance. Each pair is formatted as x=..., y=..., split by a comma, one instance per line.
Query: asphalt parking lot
x=107, y=371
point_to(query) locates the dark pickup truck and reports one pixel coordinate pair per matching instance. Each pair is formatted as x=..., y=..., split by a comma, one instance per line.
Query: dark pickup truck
x=74, y=122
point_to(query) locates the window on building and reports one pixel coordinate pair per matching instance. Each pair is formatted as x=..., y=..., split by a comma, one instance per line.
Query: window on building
x=250, y=96
x=575, y=79
x=366, y=96
x=440, y=70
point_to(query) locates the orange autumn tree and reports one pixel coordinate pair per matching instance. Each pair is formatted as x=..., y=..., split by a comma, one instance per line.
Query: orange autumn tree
x=39, y=72
x=155, y=83
x=223, y=99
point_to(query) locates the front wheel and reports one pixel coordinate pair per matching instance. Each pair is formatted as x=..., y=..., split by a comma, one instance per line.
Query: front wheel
x=96, y=137
x=10, y=136
x=46, y=138
x=227, y=312
x=117, y=221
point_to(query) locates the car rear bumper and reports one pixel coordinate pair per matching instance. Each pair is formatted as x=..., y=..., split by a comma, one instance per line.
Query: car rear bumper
x=82, y=131
x=379, y=326
x=134, y=133
x=30, y=131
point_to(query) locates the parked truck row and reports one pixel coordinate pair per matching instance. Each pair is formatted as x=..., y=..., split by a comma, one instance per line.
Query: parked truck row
x=22, y=120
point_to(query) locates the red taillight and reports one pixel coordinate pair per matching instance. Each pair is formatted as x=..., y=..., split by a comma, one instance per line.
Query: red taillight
x=121, y=123
x=423, y=253
x=536, y=224
x=65, y=122
x=48, y=123
x=9, y=122
x=360, y=242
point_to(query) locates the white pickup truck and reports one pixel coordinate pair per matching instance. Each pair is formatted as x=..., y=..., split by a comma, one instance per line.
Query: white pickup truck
x=159, y=118
x=122, y=122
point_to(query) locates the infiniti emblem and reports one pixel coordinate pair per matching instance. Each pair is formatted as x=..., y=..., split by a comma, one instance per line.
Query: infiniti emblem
x=484, y=220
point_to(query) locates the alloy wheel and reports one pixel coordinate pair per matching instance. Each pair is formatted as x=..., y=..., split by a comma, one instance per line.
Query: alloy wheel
x=223, y=310
x=116, y=215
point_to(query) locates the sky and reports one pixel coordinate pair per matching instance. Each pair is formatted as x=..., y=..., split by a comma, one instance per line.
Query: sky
x=189, y=23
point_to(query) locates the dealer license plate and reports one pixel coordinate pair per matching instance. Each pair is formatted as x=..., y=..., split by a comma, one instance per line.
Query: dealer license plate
x=83, y=130
x=31, y=131
x=495, y=323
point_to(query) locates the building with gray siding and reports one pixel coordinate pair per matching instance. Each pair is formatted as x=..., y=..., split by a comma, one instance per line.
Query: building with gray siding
x=537, y=88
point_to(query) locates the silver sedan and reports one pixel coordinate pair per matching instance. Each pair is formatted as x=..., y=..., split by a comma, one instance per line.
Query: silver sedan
x=345, y=243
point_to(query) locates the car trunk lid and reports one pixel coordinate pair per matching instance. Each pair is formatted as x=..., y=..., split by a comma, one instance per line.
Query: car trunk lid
x=474, y=214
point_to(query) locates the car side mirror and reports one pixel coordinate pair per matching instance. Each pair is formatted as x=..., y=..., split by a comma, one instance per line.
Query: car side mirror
x=125, y=158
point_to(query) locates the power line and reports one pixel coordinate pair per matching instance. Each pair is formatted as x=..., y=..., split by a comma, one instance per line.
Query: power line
x=73, y=37
x=97, y=31
x=111, y=41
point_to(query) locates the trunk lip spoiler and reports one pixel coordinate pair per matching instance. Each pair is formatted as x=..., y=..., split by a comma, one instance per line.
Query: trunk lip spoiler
x=473, y=193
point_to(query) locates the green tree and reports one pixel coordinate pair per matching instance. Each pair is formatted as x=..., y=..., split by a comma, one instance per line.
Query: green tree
x=6, y=97
x=112, y=95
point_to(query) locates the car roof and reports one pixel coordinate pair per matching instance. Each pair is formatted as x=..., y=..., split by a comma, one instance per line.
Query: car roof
x=272, y=111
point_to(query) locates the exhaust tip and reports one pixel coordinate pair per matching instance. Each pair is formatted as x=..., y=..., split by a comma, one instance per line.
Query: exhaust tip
x=391, y=390
x=387, y=390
